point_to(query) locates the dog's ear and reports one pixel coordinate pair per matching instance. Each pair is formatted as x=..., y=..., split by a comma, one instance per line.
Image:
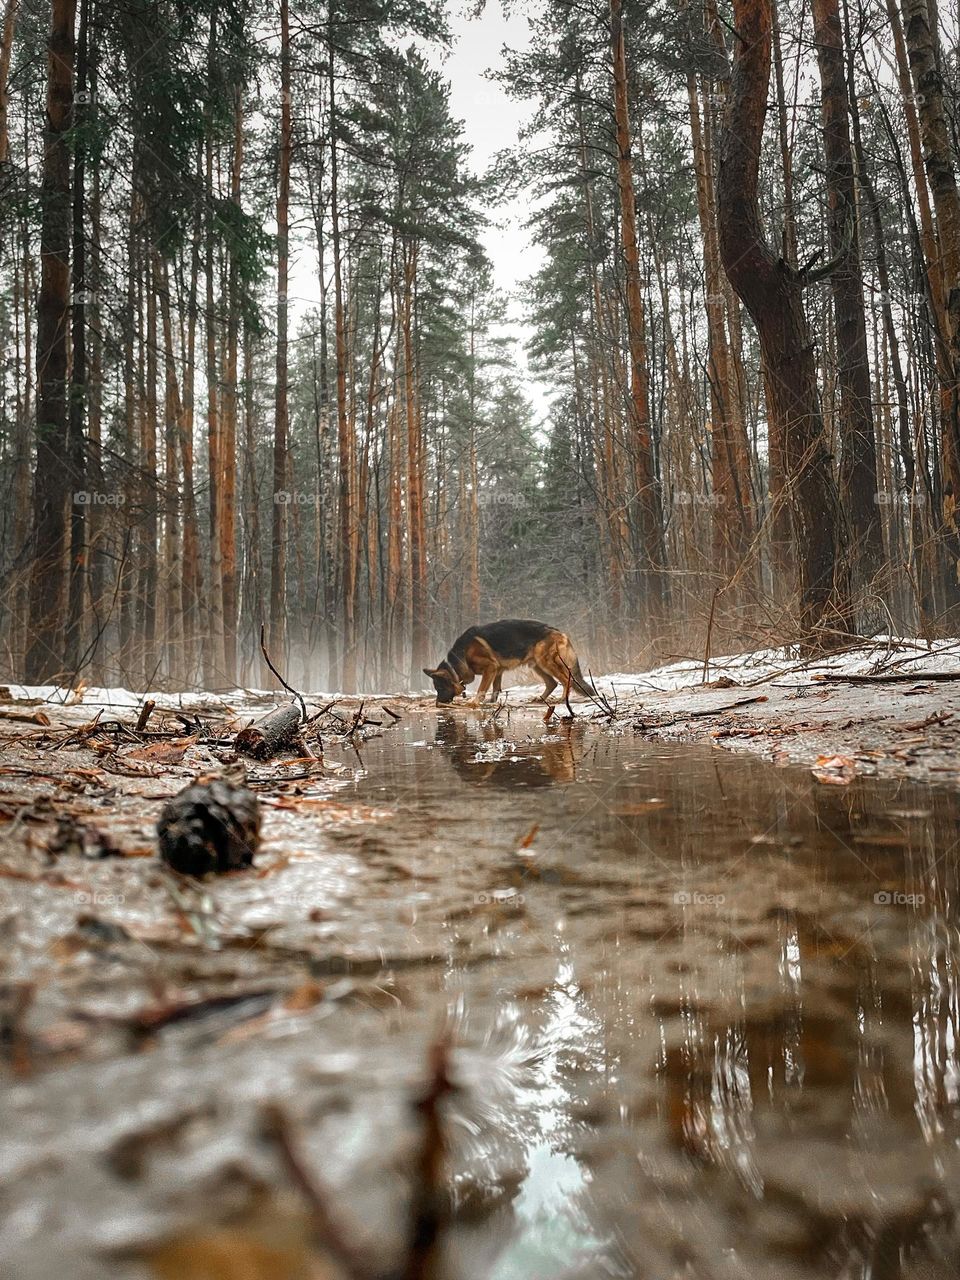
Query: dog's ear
x=428, y=672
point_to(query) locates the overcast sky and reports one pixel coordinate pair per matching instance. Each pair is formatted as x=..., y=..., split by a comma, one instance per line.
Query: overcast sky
x=492, y=121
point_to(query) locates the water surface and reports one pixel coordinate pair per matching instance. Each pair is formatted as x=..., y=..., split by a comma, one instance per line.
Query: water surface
x=706, y=1012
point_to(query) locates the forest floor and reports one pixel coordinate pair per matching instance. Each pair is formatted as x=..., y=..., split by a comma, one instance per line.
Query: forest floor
x=251, y=1075
x=876, y=710
x=889, y=707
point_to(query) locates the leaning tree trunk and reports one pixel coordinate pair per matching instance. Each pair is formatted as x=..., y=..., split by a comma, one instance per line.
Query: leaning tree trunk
x=53, y=483
x=859, y=487
x=772, y=292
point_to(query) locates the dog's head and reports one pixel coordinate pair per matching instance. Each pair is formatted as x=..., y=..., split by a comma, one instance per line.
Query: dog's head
x=447, y=685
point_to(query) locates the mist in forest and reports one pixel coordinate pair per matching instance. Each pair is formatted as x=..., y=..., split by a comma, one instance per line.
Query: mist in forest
x=654, y=337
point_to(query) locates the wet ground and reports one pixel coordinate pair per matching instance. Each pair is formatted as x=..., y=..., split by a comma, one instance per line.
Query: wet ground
x=704, y=1012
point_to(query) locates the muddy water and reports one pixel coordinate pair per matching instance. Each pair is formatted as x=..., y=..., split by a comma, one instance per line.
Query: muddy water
x=707, y=1017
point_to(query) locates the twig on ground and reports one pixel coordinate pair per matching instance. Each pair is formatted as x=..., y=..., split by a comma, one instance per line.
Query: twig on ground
x=707, y=711
x=334, y=1233
x=145, y=713
x=938, y=717
x=428, y=1211
x=706, y=647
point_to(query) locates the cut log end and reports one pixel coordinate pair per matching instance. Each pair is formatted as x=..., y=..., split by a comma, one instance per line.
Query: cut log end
x=271, y=734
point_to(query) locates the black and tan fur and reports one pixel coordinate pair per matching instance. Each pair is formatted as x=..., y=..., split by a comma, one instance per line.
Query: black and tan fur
x=489, y=650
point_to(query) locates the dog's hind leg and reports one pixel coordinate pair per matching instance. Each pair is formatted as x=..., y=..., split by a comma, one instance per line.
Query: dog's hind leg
x=548, y=681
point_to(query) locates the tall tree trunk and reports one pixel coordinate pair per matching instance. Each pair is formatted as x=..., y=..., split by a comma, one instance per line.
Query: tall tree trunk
x=651, y=567
x=53, y=482
x=192, y=588
x=772, y=292
x=147, y=586
x=228, y=449
x=177, y=553
x=253, y=550
x=920, y=17
x=78, y=373
x=214, y=659
x=733, y=518
x=6, y=50
x=859, y=486
x=789, y=243
x=278, y=539
x=419, y=629
x=130, y=444
x=472, y=479
x=346, y=558
x=22, y=516
x=905, y=432
x=97, y=523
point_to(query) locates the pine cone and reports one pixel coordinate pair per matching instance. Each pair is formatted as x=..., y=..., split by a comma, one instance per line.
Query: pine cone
x=210, y=826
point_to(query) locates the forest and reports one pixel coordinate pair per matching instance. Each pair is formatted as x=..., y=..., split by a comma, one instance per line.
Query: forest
x=608, y=344
x=745, y=309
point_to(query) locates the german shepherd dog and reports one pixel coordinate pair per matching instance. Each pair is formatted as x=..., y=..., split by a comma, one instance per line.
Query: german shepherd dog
x=489, y=650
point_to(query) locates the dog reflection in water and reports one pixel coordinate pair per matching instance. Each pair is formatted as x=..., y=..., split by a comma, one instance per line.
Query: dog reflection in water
x=534, y=763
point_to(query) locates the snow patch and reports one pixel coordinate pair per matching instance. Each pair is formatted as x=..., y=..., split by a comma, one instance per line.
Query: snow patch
x=784, y=666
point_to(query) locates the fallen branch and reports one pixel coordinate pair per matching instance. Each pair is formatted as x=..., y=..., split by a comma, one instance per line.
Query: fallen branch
x=289, y=688
x=707, y=711
x=938, y=717
x=145, y=712
x=895, y=677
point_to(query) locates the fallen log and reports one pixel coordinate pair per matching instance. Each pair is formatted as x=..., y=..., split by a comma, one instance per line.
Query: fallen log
x=895, y=677
x=271, y=734
x=208, y=827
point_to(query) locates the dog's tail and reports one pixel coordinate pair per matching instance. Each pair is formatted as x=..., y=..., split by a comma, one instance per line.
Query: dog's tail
x=580, y=681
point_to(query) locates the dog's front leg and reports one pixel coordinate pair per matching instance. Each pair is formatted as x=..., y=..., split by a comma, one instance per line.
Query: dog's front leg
x=485, y=681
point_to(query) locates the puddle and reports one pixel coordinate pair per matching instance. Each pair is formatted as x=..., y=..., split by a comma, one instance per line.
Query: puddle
x=707, y=1013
